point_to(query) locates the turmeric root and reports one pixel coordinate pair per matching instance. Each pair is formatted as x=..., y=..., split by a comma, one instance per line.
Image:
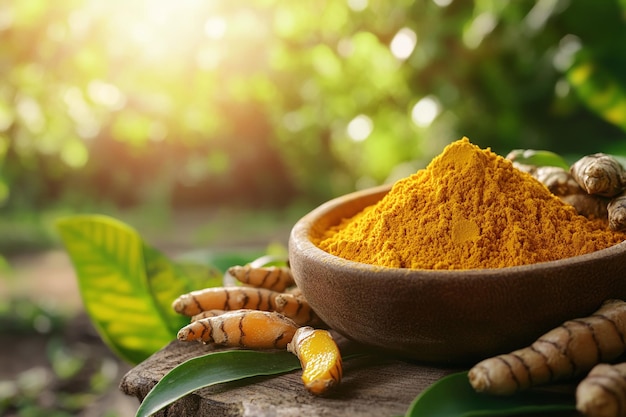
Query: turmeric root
x=251, y=329
x=599, y=174
x=558, y=180
x=320, y=359
x=270, y=277
x=603, y=392
x=562, y=184
x=567, y=351
x=297, y=308
x=225, y=298
x=590, y=206
x=617, y=212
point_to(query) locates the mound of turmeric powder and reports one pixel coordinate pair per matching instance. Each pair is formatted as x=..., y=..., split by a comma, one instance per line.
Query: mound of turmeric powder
x=468, y=209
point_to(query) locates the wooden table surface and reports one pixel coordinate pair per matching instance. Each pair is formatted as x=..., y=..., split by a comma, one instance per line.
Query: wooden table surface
x=374, y=385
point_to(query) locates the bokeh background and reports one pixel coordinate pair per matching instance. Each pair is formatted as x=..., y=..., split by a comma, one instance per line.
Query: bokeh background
x=216, y=124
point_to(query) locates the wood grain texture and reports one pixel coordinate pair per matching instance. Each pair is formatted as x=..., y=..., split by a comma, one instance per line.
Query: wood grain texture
x=374, y=385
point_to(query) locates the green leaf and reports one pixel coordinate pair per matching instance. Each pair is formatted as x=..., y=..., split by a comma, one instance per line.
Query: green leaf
x=600, y=90
x=538, y=158
x=108, y=257
x=167, y=280
x=214, y=368
x=453, y=396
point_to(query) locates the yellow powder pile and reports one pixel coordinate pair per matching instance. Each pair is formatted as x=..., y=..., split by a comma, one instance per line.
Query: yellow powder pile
x=469, y=209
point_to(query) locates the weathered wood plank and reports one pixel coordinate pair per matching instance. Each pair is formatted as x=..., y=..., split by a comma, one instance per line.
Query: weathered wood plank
x=374, y=385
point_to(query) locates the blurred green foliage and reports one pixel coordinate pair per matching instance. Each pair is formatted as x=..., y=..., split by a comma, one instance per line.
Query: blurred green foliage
x=63, y=368
x=262, y=102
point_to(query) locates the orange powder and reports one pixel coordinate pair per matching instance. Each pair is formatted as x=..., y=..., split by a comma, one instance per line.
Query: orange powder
x=469, y=209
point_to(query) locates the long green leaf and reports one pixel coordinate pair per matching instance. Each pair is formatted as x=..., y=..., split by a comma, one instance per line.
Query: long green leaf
x=167, y=280
x=453, y=396
x=214, y=368
x=108, y=257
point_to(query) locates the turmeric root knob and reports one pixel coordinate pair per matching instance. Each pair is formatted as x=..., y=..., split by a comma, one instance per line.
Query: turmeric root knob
x=320, y=359
x=599, y=174
x=564, y=352
x=603, y=392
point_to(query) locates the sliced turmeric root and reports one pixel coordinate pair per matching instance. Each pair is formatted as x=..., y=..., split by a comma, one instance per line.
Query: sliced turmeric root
x=250, y=329
x=320, y=359
x=564, y=352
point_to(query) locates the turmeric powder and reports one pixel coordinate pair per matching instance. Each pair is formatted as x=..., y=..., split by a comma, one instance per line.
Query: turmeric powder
x=468, y=209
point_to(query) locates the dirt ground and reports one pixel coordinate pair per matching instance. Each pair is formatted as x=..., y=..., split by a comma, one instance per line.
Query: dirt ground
x=48, y=278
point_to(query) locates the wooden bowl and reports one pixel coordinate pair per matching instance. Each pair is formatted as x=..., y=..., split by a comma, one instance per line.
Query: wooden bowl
x=456, y=316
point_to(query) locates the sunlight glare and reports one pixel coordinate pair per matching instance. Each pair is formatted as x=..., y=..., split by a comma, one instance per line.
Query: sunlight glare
x=569, y=45
x=442, y=3
x=360, y=128
x=536, y=19
x=6, y=21
x=208, y=58
x=215, y=27
x=106, y=94
x=29, y=110
x=403, y=44
x=79, y=22
x=481, y=26
x=87, y=125
x=425, y=111
x=156, y=31
x=358, y=5
x=562, y=88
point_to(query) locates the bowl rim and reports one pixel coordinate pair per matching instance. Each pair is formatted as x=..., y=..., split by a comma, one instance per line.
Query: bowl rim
x=301, y=240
